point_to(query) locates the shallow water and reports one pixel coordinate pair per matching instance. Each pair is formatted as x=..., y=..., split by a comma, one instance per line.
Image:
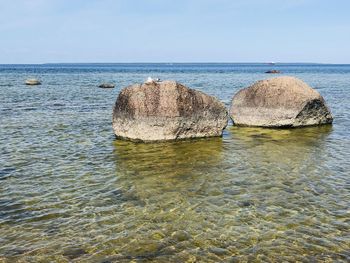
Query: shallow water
x=70, y=192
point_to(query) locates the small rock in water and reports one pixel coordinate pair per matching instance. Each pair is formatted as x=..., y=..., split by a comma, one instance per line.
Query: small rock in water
x=246, y=203
x=218, y=251
x=106, y=86
x=74, y=252
x=273, y=71
x=32, y=82
x=180, y=235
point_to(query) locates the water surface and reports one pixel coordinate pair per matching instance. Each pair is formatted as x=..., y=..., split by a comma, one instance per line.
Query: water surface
x=69, y=191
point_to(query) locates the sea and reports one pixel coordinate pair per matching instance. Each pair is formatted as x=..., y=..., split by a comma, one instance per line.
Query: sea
x=71, y=192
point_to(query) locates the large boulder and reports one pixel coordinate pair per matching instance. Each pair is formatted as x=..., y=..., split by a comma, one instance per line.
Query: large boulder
x=279, y=102
x=167, y=110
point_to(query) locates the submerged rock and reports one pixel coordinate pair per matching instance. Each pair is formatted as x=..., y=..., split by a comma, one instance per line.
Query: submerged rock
x=74, y=252
x=167, y=110
x=218, y=251
x=32, y=82
x=106, y=86
x=180, y=235
x=279, y=102
x=274, y=71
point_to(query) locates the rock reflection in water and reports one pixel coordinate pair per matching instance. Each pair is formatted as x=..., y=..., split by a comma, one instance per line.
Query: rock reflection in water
x=280, y=145
x=198, y=205
x=168, y=165
x=172, y=179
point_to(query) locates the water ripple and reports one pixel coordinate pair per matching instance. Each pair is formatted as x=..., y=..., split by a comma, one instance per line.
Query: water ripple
x=70, y=192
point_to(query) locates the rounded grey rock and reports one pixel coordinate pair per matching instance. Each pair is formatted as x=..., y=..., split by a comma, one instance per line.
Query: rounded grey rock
x=32, y=82
x=279, y=102
x=106, y=86
x=167, y=110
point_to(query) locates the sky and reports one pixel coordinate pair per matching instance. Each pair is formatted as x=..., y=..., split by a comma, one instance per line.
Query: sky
x=112, y=31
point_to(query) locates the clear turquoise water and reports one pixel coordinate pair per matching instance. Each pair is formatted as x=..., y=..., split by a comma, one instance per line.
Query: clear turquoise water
x=70, y=192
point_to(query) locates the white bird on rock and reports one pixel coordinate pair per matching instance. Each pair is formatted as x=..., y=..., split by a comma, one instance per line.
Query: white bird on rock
x=150, y=80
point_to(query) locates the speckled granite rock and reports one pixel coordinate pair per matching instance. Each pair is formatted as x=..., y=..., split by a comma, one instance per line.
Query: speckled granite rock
x=279, y=102
x=167, y=110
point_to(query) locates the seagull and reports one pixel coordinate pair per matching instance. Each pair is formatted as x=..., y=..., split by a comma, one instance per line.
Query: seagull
x=150, y=80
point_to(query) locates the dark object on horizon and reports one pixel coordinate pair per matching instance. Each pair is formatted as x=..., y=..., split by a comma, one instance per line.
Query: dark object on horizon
x=282, y=102
x=32, y=82
x=167, y=110
x=106, y=86
x=274, y=71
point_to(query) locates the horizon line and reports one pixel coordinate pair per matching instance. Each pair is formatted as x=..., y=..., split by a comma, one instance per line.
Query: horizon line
x=96, y=63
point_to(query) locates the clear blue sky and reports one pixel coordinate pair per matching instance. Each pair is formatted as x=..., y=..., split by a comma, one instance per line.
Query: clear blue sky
x=41, y=31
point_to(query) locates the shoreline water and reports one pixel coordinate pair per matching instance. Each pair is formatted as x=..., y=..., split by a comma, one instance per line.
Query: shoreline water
x=70, y=191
